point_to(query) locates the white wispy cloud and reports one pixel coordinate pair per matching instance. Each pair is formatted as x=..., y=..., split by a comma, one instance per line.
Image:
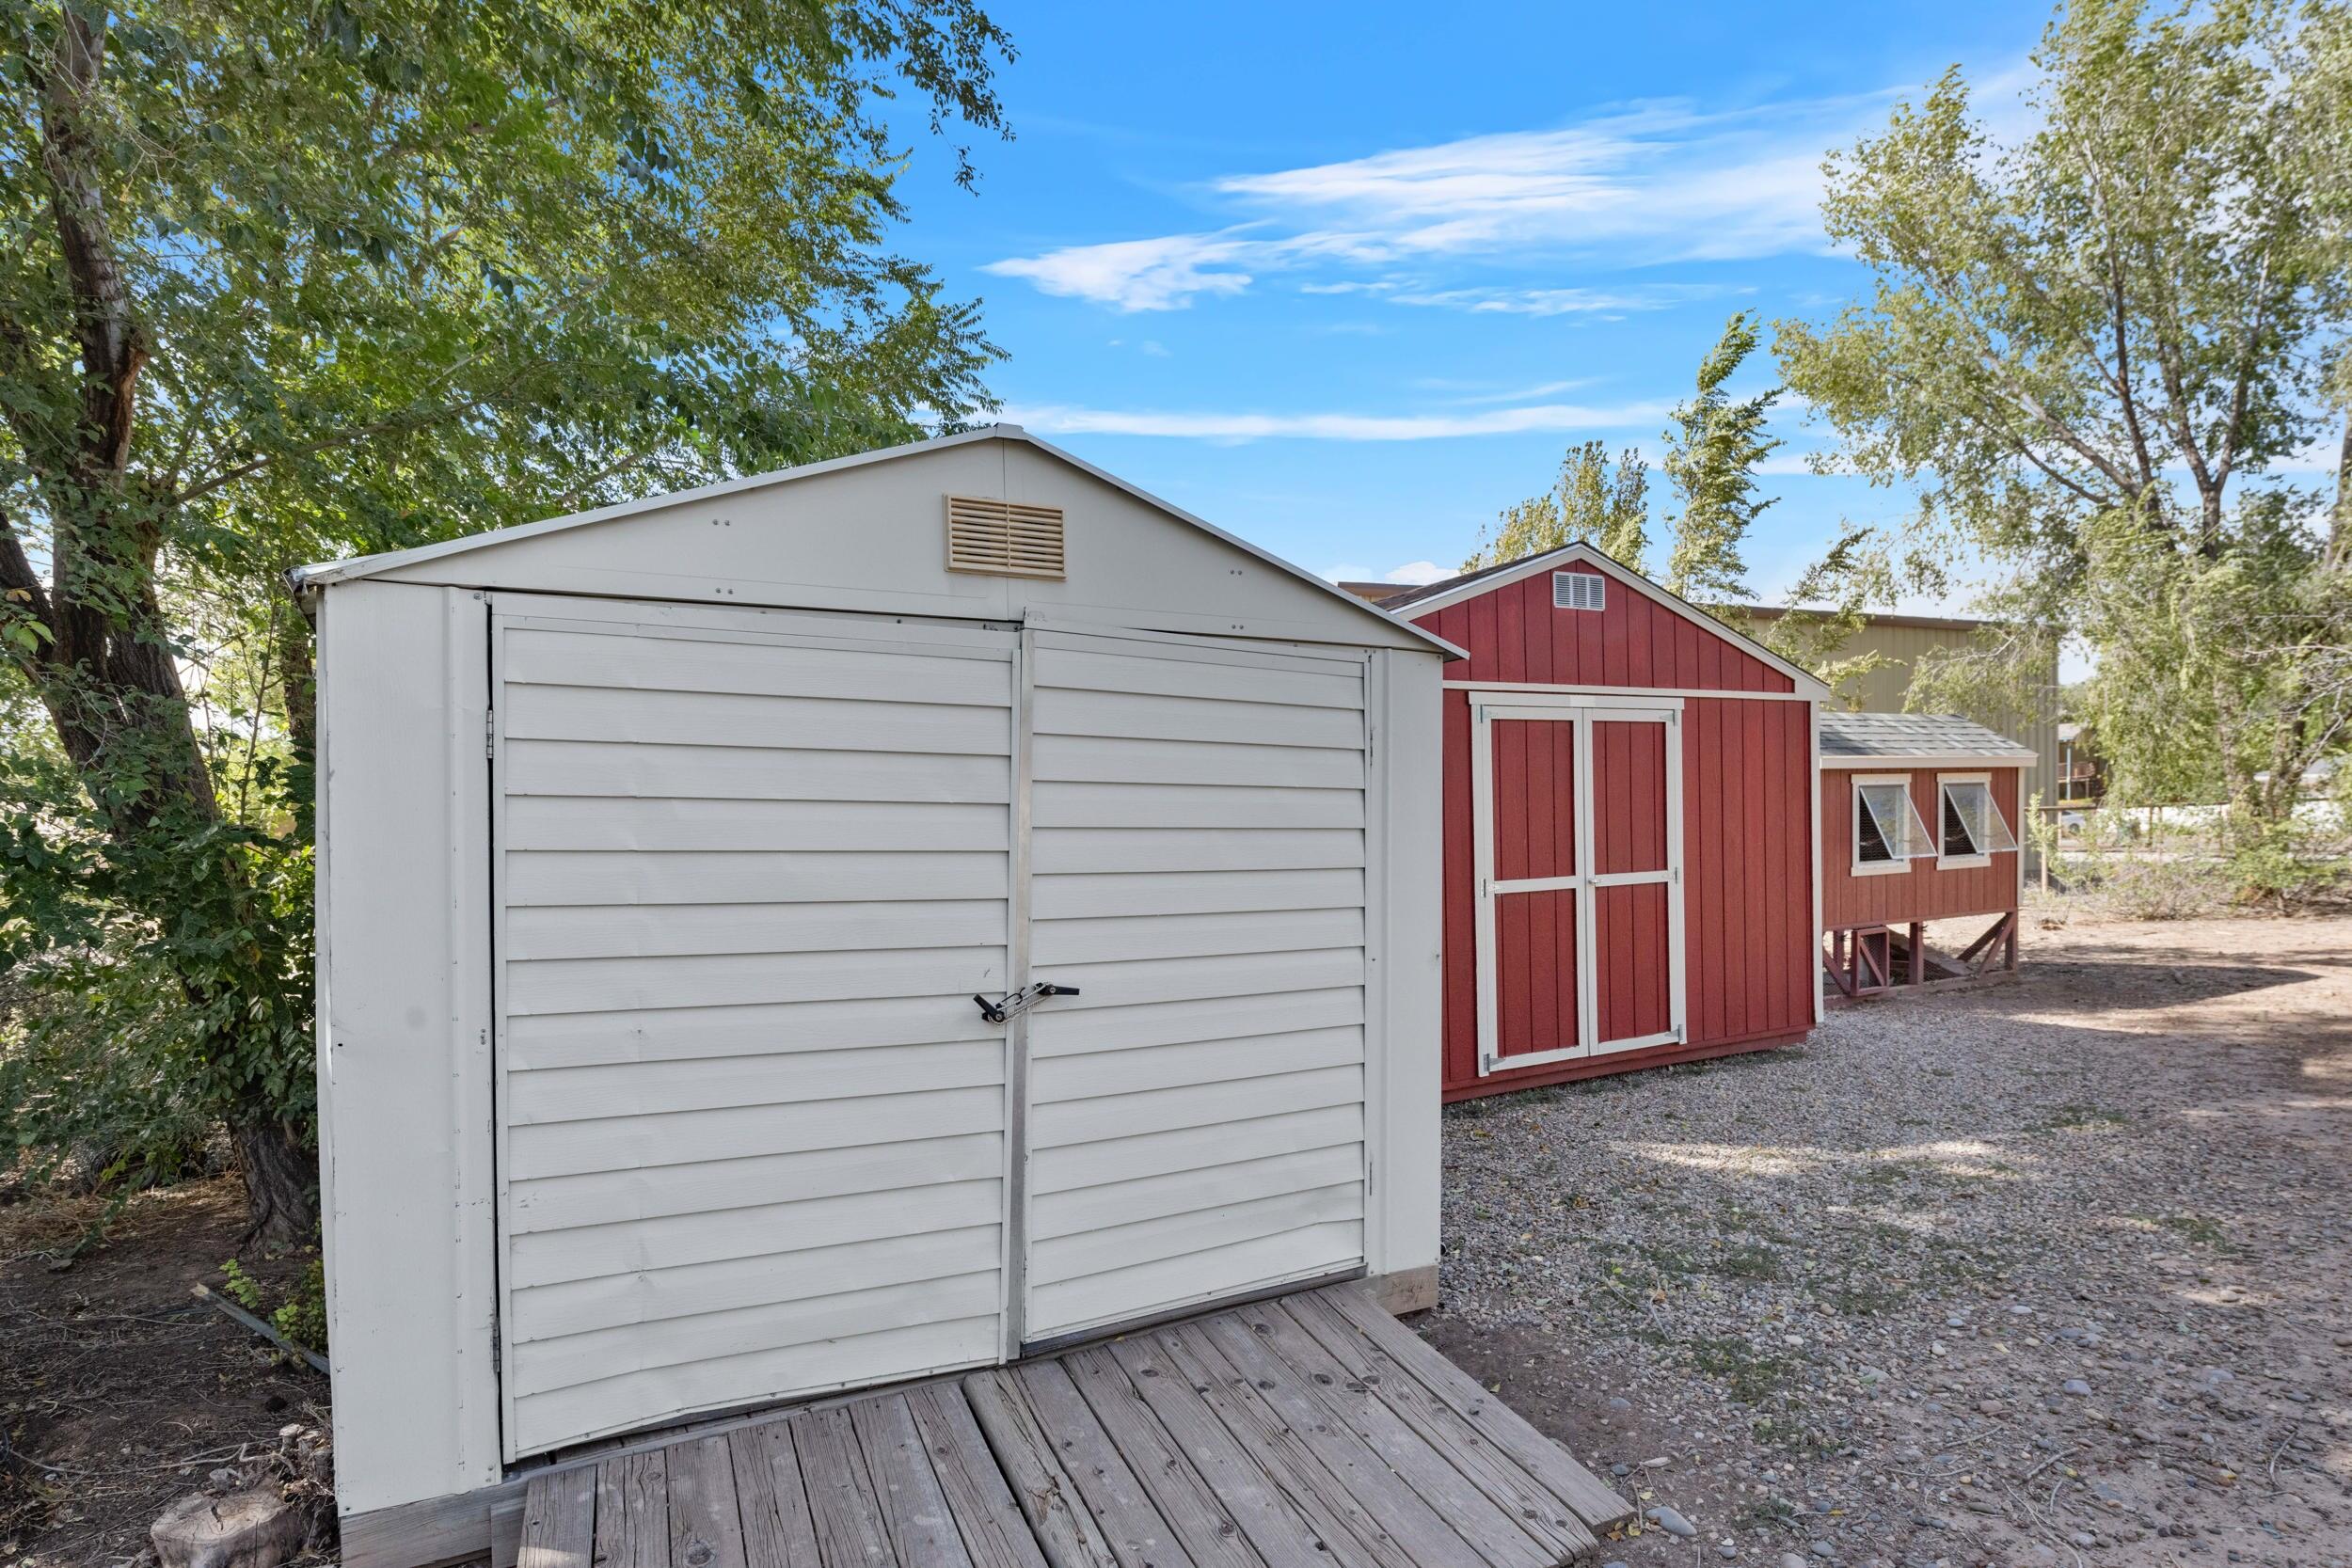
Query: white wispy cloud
x=1135, y=275
x=1413, y=573
x=1465, y=394
x=1066, y=419
x=1556, y=302
x=1652, y=182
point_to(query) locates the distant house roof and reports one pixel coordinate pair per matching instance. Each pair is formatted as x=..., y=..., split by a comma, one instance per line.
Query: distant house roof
x=1397, y=598
x=1373, y=591
x=1848, y=738
x=1879, y=618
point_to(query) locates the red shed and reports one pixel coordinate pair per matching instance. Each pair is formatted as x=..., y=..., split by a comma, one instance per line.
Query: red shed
x=1918, y=814
x=1628, y=827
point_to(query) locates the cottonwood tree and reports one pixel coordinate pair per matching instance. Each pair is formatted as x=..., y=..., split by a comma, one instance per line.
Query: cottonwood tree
x=1711, y=456
x=1829, y=605
x=284, y=279
x=2096, y=351
x=1591, y=499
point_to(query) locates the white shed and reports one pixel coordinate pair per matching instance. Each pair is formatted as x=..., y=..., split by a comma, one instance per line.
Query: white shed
x=672, y=859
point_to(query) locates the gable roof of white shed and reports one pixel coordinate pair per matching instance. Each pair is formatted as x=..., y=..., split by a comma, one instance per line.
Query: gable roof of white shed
x=326, y=574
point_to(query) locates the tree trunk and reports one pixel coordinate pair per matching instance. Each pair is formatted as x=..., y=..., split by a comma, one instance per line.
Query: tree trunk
x=280, y=1182
x=2339, y=552
x=105, y=668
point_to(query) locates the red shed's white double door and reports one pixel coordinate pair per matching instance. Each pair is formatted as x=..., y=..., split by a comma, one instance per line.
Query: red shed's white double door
x=1577, y=845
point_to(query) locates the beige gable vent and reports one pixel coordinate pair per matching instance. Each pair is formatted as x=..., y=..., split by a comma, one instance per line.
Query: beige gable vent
x=1008, y=539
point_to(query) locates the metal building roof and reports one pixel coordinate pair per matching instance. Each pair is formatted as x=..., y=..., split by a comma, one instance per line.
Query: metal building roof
x=1907, y=737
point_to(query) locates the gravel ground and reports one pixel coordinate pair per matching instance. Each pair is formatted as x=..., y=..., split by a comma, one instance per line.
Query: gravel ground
x=2048, y=1271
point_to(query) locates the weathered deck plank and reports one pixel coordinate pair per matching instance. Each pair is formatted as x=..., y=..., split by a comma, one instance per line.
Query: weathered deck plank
x=1121, y=1503
x=1493, y=1472
x=1597, y=1505
x=993, y=1531
x=1502, y=1533
x=1287, y=1522
x=1312, y=1429
x=705, y=1528
x=1369, y=1476
x=634, y=1511
x=914, y=1508
x=1268, y=1439
x=1200, y=1519
x=1049, y=1498
x=778, y=1530
x=840, y=1494
x=559, y=1519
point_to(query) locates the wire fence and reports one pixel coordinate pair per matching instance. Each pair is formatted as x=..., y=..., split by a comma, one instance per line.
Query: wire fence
x=2170, y=860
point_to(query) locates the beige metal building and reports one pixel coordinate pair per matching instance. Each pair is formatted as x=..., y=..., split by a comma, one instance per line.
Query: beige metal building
x=1906, y=639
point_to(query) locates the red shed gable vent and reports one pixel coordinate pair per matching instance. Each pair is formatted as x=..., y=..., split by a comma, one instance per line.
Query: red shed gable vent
x=1579, y=591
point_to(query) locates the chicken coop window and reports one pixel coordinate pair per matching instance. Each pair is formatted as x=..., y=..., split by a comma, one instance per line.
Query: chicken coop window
x=1579, y=591
x=1888, y=831
x=1972, y=828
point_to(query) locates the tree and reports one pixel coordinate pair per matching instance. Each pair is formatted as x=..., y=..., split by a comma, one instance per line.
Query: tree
x=289, y=279
x=1711, y=455
x=1828, y=605
x=2082, y=348
x=1589, y=501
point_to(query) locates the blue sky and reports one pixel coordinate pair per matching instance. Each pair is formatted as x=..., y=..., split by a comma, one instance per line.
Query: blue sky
x=1348, y=280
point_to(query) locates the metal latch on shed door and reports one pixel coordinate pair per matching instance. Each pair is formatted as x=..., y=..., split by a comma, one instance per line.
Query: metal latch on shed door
x=1016, y=1002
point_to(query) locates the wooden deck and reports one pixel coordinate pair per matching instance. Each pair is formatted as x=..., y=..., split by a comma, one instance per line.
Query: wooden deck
x=1309, y=1428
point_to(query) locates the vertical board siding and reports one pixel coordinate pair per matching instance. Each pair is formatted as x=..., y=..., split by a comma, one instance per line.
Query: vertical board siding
x=1926, y=891
x=1749, y=908
x=1632, y=987
x=1747, y=869
x=1514, y=634
x=1537, y=1011
x=752, y=1127
x=1197, y=1112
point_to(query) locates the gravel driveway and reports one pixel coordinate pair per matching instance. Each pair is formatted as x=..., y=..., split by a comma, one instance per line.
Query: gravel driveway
x=2049, y=1271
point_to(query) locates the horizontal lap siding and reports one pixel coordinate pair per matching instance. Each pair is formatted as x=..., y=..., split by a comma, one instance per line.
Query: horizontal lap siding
x=1924, y=891
x=753, y=1130
x=1196, y=1122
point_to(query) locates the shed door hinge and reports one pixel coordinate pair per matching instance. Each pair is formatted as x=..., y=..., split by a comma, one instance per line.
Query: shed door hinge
x=490, y=731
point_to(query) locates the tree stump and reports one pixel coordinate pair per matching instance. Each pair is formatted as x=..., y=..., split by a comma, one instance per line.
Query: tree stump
x=245, y=1529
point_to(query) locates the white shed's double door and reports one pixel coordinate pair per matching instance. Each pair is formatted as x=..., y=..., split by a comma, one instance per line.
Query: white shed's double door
x=756, y=1137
